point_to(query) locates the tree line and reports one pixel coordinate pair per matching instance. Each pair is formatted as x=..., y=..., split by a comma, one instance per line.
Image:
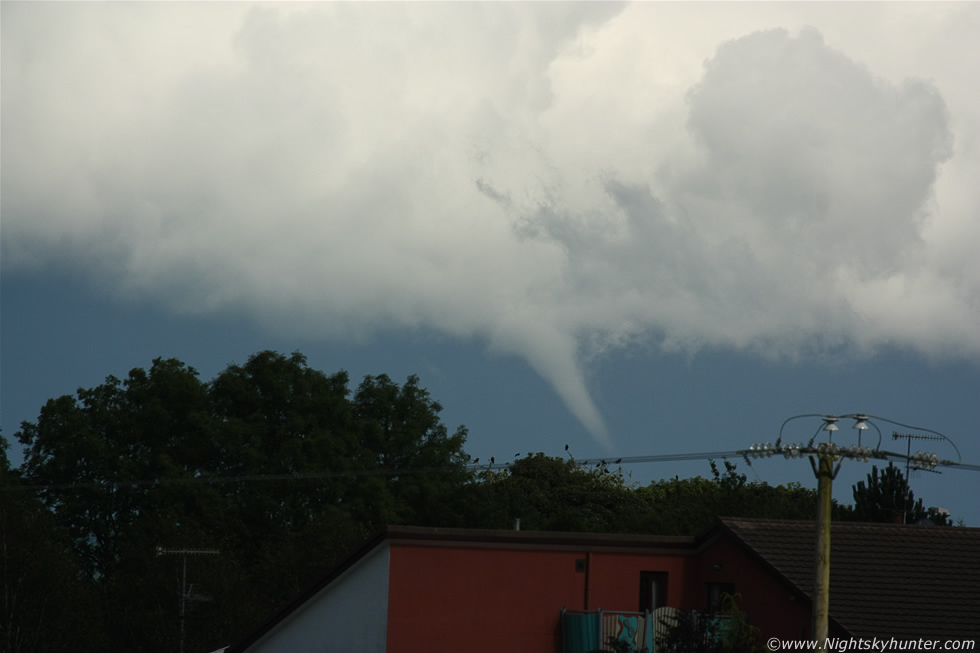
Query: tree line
x=284, y=469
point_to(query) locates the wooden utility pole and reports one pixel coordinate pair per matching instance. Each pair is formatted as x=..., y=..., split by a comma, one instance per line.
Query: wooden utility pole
x=826, y=459
x=825, y=472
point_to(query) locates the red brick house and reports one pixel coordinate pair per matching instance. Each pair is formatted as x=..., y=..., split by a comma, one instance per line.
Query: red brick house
x=429, y=589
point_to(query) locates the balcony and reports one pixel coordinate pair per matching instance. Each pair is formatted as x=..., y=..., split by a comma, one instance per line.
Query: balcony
x=588, y=631
x=618, y=632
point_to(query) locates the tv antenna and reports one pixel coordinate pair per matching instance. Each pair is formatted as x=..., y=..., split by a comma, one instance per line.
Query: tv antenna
x=908, y=437
x=185, y=593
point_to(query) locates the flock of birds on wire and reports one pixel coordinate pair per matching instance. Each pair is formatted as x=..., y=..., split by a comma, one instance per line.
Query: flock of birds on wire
x=600, y=463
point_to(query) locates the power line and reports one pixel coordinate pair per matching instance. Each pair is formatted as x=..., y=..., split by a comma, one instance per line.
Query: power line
x=585, y=462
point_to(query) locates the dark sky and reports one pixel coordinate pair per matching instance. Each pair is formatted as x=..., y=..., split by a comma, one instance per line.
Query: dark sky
x=632, y=228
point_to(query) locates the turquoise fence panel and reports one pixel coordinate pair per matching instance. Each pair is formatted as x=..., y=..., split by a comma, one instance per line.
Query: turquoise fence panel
x=580, y=631
x=588, y=631
x=634, y=629
x=649, y=627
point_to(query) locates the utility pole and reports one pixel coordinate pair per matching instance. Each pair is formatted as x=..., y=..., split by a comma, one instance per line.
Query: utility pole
x=825, y=472
x=184, y=594
x=826, y=459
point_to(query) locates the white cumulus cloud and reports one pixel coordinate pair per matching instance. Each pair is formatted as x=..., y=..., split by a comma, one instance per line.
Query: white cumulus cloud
x=558, y=180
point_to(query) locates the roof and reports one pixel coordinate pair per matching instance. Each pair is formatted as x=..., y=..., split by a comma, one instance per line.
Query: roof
x=475, y=538
x=886, y=580
x=551, y=540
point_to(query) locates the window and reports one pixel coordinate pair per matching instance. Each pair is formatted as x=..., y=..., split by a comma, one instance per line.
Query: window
x=715, y=594
x=653, y=590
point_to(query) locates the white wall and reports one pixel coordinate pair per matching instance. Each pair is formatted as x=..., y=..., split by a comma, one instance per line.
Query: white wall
x=348, y=616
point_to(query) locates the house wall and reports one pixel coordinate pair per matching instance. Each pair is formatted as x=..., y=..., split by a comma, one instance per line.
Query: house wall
x=467, y=599
x=767, y=601
x=452, y=598
x=348, y=616
x=445, y=596
x=615, y=579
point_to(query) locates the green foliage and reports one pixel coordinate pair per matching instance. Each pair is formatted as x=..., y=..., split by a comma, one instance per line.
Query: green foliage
x=615, y=645
x=398, y=428
x=886, y=497
x=687, y=506
x=726, y=632
x=46, y=605
x=284, y=470
x=551, y=494
x=273, y=463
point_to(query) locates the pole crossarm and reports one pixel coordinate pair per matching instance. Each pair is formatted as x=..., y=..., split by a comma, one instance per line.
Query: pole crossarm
x=864, y=454
x=826, y=459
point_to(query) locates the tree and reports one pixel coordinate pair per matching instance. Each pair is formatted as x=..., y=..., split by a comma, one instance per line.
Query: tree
x=276, y=417
x=887, y=497
x=271, y=462
x=414, y=467
x=105, y=455
x=549, y=493
x=554, y=494
x=686, y=506
x=284, y=470
x=119, y=465
x=45, y=603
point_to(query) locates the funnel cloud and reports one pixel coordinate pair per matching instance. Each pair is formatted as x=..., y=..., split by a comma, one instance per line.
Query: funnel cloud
x=559, y=181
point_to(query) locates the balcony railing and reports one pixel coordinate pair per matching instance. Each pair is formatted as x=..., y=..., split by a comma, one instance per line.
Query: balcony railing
x=586, y=631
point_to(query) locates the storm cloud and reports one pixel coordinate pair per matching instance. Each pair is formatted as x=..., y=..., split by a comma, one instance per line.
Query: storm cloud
x=556, y=180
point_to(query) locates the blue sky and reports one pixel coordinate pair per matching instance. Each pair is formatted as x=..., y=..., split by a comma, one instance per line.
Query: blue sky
x=58, y=335
x=634, y=229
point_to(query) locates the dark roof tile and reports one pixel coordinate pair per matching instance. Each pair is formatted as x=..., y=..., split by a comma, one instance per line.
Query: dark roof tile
x=885, y=580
